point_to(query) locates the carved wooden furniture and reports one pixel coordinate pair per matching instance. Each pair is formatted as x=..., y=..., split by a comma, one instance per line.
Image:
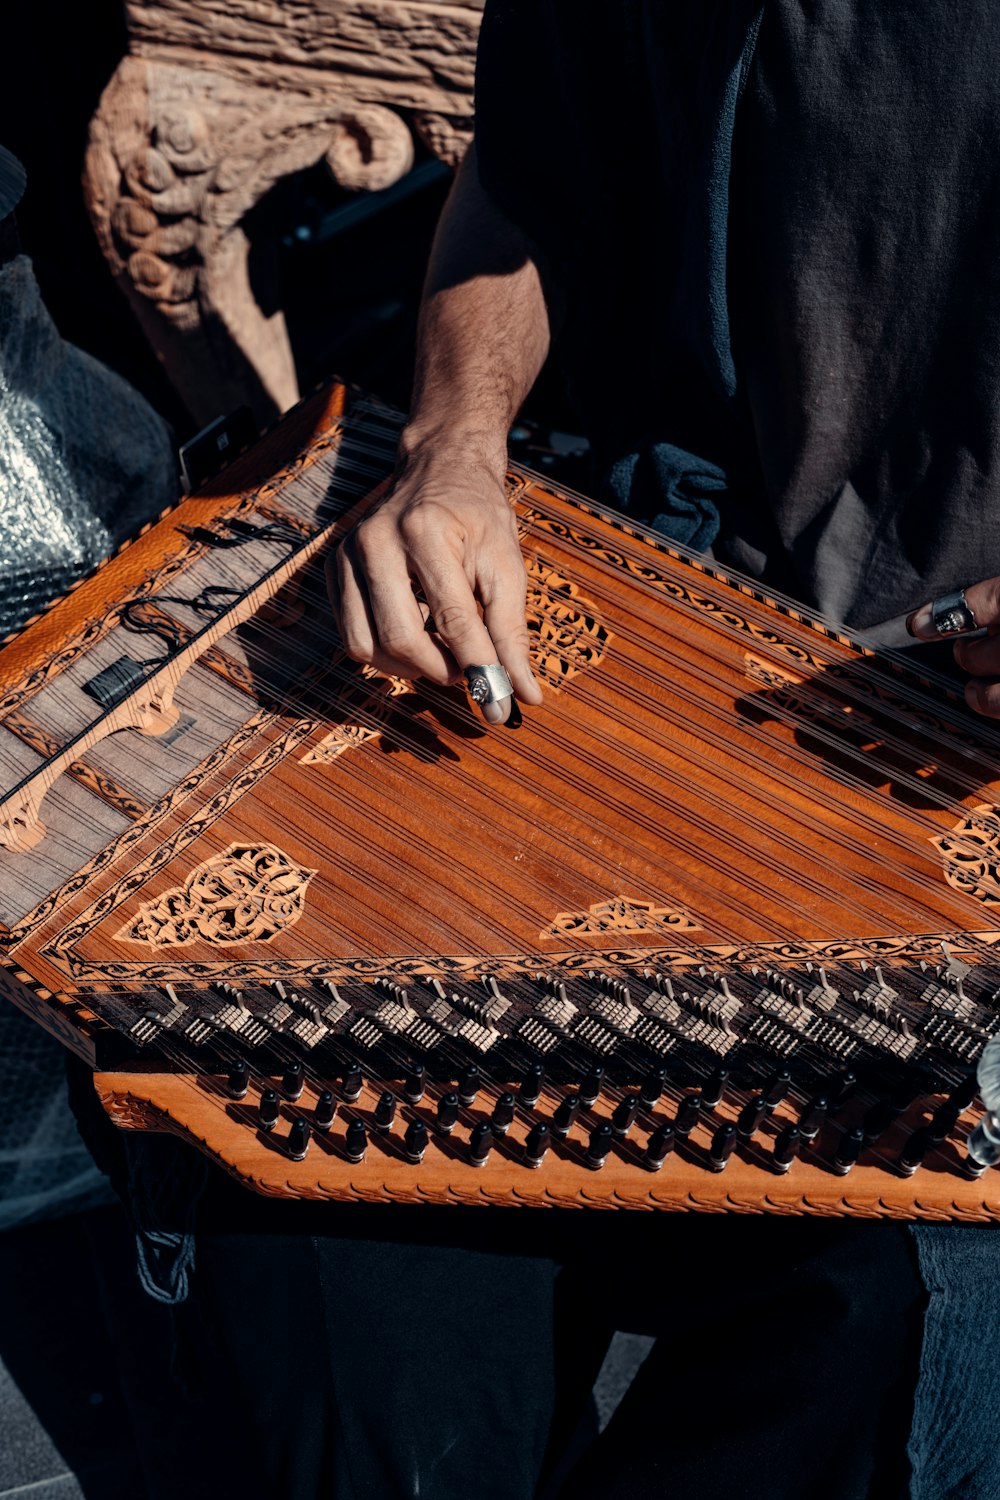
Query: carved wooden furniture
x=725, y=905
x=218, y=100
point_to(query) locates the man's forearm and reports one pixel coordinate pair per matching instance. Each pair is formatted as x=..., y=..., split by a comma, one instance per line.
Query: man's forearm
x=484, y=329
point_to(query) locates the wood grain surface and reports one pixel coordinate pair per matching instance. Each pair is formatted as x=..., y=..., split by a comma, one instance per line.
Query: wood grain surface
x=731, y=835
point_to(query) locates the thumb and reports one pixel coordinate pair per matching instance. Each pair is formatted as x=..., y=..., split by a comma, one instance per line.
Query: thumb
x=959, y=613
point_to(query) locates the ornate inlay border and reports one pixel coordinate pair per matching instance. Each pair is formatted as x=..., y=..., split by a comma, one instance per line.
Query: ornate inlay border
x=897, y=949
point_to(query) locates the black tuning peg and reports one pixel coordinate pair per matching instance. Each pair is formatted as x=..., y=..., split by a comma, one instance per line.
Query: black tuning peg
x=291, y=1083
x=659, y=1146
x=786, y=1148
x=413, y=1083
x=385, y=1111
x=562, y=1120
x=415, y=1141
x=238, y=1080
x=624, y=1115
x=598, y=1146
x=298, y=1140
x=590, y=1088
x=480, y=1144
x=353, y=1082
x=326, y=1110
x=356, y=1143
x=531, y=1085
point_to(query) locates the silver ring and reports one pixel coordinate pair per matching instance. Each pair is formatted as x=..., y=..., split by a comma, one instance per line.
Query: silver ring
x=488, y=684
x=951, y=615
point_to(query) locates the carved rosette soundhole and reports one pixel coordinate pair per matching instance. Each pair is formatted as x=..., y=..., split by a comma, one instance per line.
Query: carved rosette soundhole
x=766, y=675
x=971, y=853
x=372, y=717
x=803, y=699
x=248, y=894
x=566, y=638
x=619, y=916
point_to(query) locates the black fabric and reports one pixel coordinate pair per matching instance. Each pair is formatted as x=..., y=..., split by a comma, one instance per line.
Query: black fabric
x=861, y=437
x=406, y=1352
x=382, y=1350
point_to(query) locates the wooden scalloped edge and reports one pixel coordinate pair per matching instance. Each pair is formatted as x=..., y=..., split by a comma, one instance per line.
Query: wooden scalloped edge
x=178, y=1105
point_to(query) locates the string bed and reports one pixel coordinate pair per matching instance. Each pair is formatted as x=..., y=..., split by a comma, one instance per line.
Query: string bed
x=781, y=817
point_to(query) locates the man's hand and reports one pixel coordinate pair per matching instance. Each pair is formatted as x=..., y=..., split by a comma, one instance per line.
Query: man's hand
x=445, y=531
x=407, y=586
x=979, y=656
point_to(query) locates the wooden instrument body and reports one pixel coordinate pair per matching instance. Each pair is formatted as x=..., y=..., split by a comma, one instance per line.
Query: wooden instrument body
x=731, y=835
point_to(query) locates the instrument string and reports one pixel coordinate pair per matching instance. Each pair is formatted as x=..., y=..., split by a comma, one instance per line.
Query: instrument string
x=653, y=765
x=381, y=729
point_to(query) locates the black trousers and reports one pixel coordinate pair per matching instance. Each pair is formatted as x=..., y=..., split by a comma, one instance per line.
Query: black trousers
x=365, y=1353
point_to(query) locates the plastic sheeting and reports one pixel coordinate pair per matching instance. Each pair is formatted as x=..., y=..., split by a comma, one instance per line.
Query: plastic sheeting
x=84, y=461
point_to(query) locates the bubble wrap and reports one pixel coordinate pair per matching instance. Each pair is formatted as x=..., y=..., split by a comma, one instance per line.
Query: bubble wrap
x=84, y=460
x=45, y=1169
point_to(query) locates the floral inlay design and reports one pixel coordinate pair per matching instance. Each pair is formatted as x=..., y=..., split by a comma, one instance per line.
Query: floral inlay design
x=566, y=639
x=618, y=916
x=971, y=853
x=248, y=894
x=767, y=675
x=372, y=716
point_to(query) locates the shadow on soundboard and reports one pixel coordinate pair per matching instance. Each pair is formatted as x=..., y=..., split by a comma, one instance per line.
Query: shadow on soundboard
x=877, y=727
x=289, y=678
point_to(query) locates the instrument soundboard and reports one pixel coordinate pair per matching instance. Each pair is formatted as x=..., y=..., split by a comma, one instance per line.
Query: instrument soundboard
x=714, y=929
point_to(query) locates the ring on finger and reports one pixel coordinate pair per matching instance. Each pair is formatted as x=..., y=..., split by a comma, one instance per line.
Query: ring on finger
x=489, y=684
x=952, y=614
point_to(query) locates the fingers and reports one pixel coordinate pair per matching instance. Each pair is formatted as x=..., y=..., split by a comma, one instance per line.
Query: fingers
x=983, y=695
x=981, y=658
x=984, y=601
x=462, y=553
x=359, y=630
x=503, y=597
x=460, y=626
x=981, y=609
x=972, y=616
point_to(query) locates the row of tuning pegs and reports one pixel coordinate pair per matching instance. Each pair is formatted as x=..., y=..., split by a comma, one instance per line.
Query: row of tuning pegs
x=693, y=1108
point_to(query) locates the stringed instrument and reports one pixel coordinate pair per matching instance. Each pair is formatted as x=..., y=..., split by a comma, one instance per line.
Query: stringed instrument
x=715, y=928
